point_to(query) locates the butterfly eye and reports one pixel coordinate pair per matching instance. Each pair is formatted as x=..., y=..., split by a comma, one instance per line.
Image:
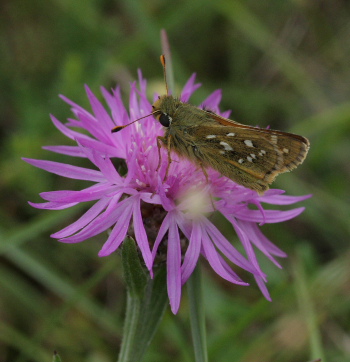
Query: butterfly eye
x=165, y=119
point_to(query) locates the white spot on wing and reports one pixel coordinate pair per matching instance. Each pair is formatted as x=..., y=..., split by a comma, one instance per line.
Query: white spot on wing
x=210, y=136
x=227, y=147
x=249, y=159
x=274, y=139
x=285, y=150
x=222, y=152
x=240, y=160
x=231, y=134
x=249, y=143
x=253, y=155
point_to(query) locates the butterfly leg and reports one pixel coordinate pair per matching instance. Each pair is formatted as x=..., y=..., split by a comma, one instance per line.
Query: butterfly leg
x=204, y=172
x=169, y=158
x=160, y=142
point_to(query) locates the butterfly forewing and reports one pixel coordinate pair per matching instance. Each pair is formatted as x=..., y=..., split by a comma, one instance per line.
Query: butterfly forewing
x=293, y=147
x=250, y=156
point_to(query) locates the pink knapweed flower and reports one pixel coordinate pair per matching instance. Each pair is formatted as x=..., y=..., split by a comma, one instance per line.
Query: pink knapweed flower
x=171, y=215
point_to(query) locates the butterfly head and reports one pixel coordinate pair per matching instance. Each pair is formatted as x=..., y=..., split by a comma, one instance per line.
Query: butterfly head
x=164, y=109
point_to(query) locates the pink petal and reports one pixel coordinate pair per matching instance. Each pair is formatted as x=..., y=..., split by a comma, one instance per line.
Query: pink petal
x=192, y=253
x=226, y=114
x=66, y=150
x=189, y=88
x=174, y=265
x=263, y=288
x=103, y=163
x=131, y=161
x=261, y=242
x=92, y=125
x=104, y=149
x=214, y=260
x=150, y=198
x=213, y=100
x=63, y=169
x=133, y=104
x=161, y=233
x=85, y=219
x=101, y=223
x=247, y=246
x=94, y=192
x=116, y=105
x=225, y=265
x=140, y=234
x=118, y=233
x=145, y=105
x=227, y=248
x=283, y=199
x=65, y=130
x=52, y=205
x=75, y=106
x=99, y=111
x=142, y=81
x=272, y=216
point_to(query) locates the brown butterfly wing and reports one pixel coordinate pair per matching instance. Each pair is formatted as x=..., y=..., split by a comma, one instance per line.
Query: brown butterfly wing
x=293, y=147
x=252, y=157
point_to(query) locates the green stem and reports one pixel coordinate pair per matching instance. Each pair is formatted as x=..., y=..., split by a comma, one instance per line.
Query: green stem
x=130, y=328
x=146, y=302
x=197, y=316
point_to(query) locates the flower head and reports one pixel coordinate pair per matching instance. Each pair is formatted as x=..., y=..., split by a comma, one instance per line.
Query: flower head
x=172, y=214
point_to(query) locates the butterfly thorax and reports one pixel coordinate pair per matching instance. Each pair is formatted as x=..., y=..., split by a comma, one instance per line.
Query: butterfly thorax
x=180, y=114
x=182, y=121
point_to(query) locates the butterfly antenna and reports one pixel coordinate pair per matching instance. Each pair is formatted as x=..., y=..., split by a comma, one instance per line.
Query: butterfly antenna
x=162, y=60
x=119, y=128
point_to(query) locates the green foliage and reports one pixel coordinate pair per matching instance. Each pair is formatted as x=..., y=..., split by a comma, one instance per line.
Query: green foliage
x=279, y=63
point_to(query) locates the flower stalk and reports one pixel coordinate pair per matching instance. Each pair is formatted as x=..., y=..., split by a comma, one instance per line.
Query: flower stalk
x=197, y=316
x=145, y=307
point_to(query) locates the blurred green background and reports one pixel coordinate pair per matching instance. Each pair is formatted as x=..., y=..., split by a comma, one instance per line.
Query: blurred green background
x=279, y=63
